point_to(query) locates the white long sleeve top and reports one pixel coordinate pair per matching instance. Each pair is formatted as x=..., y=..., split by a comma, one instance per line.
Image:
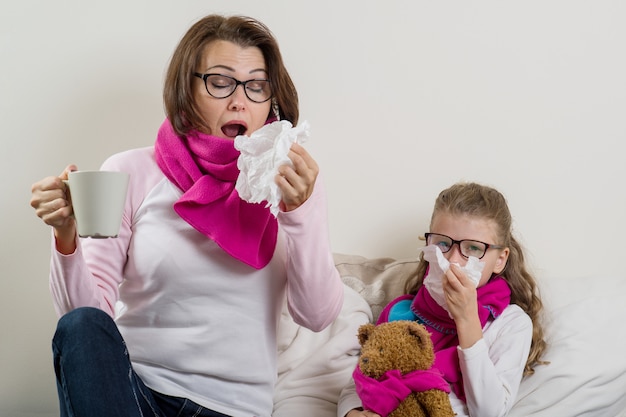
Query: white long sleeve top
x=198, y=323
x=492, y=368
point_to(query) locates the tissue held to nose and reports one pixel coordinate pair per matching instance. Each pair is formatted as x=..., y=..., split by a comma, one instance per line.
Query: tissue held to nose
x=438, y=265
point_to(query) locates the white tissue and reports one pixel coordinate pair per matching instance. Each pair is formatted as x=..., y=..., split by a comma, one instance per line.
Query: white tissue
x=261, y=155
x=437, y=267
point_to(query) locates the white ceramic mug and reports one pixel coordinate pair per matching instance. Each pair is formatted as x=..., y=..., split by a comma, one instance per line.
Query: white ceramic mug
x=98, y=199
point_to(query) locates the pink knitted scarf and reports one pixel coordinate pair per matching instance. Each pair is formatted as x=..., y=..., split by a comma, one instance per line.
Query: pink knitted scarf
x=492, y=298
x=383, y=395
x=204, y=167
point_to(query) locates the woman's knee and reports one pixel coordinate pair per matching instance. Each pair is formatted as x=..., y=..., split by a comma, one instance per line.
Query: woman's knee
x=83, y=323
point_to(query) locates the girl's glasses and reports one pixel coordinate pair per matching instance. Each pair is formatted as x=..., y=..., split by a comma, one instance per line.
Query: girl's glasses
x=467, y=247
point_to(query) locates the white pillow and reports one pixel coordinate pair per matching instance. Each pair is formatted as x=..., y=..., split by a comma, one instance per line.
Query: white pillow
x=313, y=368
x=378, y=280
x=587, y=371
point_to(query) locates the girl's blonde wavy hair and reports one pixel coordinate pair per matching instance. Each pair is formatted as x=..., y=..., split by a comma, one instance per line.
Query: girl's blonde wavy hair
x=479, y=201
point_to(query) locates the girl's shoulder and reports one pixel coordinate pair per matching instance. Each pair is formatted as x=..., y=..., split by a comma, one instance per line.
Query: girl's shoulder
x=402, y=302
x=512, y=320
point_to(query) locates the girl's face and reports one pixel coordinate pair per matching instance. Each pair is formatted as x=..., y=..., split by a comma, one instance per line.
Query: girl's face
x=236, y=114
x=472, y=228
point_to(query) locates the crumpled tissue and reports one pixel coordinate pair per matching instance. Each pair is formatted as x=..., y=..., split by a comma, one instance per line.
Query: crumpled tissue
x=260, y=156
x=438, y=265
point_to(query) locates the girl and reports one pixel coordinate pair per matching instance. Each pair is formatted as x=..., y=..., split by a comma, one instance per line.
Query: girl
x=486, y=335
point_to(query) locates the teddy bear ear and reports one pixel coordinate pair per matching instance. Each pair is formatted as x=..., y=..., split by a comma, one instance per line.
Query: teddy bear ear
x=417, y=331
x=364, y=332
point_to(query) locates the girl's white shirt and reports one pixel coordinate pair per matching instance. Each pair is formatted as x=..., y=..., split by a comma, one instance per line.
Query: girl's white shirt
x=492, y=368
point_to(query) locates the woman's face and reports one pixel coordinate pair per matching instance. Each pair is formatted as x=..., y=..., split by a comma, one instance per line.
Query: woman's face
x=236, y=114
x=472, y=228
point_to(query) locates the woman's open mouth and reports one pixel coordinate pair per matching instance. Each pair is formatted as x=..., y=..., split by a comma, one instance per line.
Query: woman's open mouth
x=232, y=130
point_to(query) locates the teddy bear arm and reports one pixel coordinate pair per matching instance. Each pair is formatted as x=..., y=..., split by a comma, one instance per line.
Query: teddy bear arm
x=410, y=407
x=436, y=403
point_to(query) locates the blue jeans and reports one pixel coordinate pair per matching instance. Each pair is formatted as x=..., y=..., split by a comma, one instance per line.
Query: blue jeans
x=95, y=377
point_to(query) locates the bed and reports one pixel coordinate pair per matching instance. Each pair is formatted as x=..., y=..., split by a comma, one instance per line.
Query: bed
x=584, y=322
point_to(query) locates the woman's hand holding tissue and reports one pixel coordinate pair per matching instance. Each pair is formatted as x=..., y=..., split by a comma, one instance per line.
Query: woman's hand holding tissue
x=462, y=304
x=296, y=183
x=275, y=168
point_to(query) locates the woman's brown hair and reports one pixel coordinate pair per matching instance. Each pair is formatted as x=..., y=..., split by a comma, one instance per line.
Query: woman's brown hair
x=241, y=30
x=480, y=201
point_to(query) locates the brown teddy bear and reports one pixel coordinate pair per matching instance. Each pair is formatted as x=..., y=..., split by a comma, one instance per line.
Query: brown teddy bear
x=395, y=377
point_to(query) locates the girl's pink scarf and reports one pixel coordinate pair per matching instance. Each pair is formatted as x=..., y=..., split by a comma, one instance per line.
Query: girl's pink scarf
x=383, y=395
x=492, y=297
x=204, y=167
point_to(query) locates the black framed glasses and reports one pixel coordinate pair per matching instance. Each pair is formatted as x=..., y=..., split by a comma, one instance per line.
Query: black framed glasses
x=222, y=86
x=467, y=247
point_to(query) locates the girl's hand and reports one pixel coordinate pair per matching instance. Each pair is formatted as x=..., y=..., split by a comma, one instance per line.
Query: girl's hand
x=460, y=293
x=297, y=183
x=52, y=204
x=462, y=305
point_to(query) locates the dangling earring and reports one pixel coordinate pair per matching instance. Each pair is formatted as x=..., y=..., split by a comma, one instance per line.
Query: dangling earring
x=275, y=109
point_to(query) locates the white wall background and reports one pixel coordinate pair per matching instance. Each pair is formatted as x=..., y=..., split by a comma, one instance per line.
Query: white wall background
x=404, y=98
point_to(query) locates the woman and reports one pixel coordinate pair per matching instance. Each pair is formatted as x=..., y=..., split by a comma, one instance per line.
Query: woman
x=177, y=316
